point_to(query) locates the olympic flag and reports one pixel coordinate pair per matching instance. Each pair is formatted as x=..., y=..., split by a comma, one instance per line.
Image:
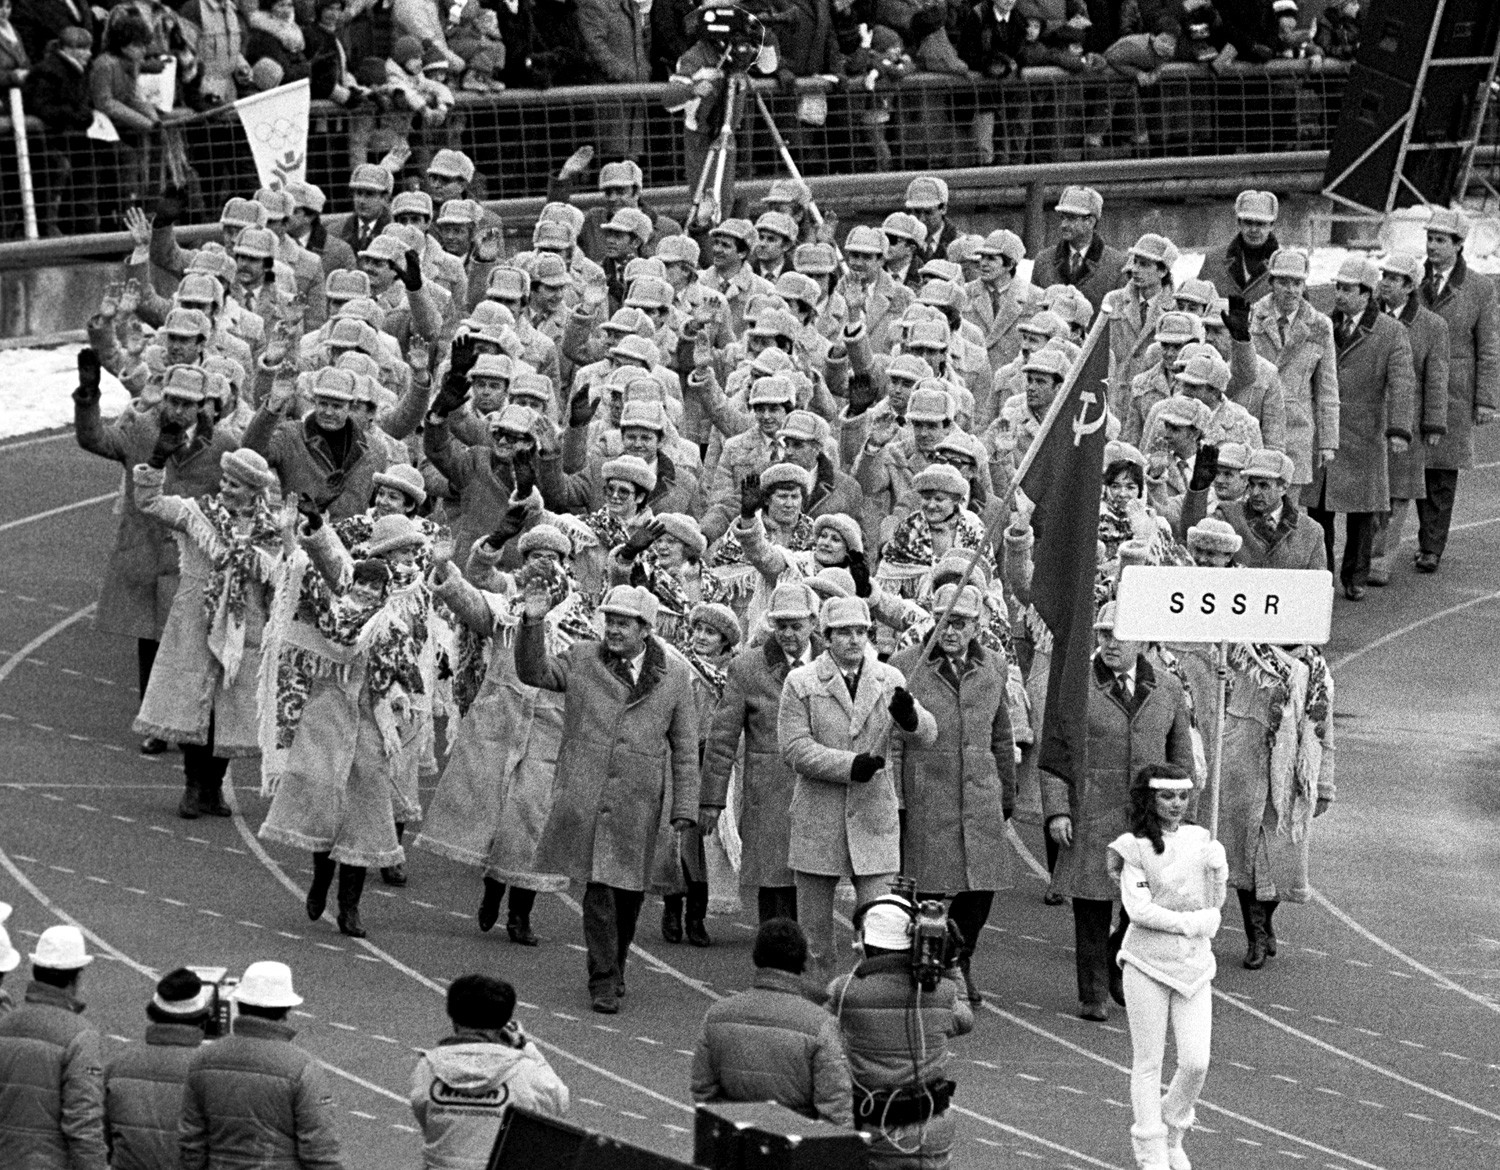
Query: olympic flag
x=276, y=124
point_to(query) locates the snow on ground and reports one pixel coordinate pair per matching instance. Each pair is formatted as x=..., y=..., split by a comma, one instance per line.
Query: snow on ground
x=36, y=388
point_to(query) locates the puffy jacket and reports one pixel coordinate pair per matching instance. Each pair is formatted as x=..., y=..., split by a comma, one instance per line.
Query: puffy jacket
x=143, y=1097
x=51, y=1085
x=461, y=1090
x=254, y=1099
x=873, y=1006
x=771, y=1043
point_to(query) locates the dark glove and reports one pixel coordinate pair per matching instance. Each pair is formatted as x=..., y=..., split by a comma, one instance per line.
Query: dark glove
x=170, y=205
x=454, y=393
x=863, y=770
x=1205, y=467
x=169, y=440
x=750, y=497
x=786, y=81
x=861, y=394
x=88, y=378
x=582, y=407
x=642, y=538
x=1237, y=318
x=903, y=709
x=859, y=569
x=411, y=275
x=462, y=355
x=523, y=468
x=510, y=525
x=268, y=271
x=311, y=517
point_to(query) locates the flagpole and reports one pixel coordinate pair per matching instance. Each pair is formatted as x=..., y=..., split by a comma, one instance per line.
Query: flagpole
x=1221, y=669
x=1002, y=514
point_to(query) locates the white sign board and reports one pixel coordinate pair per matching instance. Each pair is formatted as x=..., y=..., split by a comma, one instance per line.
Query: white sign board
x=1175, y=604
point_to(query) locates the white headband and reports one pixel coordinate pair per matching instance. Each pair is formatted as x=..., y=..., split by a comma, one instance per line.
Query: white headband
x=1171, y=783
x=186, y=1007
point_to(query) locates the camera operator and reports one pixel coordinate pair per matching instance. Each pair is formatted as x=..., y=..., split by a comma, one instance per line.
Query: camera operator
x=896, y=1038
x=143, y=1085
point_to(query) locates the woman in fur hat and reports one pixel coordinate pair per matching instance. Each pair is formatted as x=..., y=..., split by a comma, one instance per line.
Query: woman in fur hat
x=496, y=791
x=666, y=556
x=202, y=692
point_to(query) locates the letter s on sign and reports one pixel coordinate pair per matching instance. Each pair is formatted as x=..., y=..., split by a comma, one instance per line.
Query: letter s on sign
x=1206, y=604
x=1239, y=604
x=1176, y=606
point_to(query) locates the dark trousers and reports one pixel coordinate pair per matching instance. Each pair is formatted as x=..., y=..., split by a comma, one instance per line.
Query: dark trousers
x=202, y=769
x=776, y=902
x=970, y=910
x=145, y=658
x=1359, y=531
x=609, y=917
x=1435, y=513
x=1095, y=947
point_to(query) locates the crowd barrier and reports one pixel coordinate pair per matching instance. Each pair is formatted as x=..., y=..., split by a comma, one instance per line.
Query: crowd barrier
x=519, y=138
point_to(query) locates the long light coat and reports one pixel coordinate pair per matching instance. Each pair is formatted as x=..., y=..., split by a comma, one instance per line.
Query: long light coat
x=1132, y=332
x=1428, y=334
x=140, y=578
x=1308, y=364
x=625, y=750
x=958, y=792
x=838, y=827
x=1120, y=743
x=749, y=708
x=1376, y=391
x=1002, y=339
x=1469, y=307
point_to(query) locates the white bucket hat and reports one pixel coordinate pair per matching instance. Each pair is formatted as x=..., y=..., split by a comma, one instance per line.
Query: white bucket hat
x=267, y=984
x=61, y=948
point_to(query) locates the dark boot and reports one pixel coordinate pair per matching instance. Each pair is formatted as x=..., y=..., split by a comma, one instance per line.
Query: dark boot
x=211, y=798
x=489, y=905
x=964, y=961
x=317, y=893
x=671, y=918
x=697, y=908
x=395, y=875
x=1255, y=944
x=518, y=922
x=351, y=886
x=1267, y=909
x=188, y=808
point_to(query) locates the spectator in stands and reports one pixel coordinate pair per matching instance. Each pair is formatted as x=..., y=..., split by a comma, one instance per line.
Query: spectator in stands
x=113, y=77
x=1141, y=57
x=39, y=22
x=1081, y=259
x=462, y=1089
x=615, y=36
x=475, y=37
x=1242, y=267
x=1248, y=28
x=672, y=34
x=543, y=44
x=772, y=1043
x=274, y=35
x=423, y=21
x=1056, y=30
x=328, y=56
x=15, y=64
x=1338, y=30
x=212, y=28
x=57, y=93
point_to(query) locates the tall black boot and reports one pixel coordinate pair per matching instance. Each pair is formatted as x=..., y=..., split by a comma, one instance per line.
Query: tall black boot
x=671, y=918
x=697, y=908
x=351, y=886
x=188, y=808
x=317, y=893
x=395, y=875
x=489, y=905
x=1255, y=943
x=1267, y=909
x=518, y=921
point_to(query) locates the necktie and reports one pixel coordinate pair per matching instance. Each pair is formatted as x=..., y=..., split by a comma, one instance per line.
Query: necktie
x=621, y=669
x=852, y=682
x=994, y=300
x=1123, y=690
x=1285, y=325
x=1264, y=529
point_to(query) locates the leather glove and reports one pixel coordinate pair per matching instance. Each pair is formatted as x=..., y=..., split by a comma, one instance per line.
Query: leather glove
x=903, y=709
x=411, y=275
x=510, y=525
x=582, y=408
x=1237, y=318
x=311, y=517
x=859, y=569
x=169, y=440
x=454, y=393
x=523, y=467
x=462, y=355
x=861, y=394
x=170, y=205
x=750, y=497
x=642, y=538
x=863, y=770
x=1205, y=467
x=88, y=378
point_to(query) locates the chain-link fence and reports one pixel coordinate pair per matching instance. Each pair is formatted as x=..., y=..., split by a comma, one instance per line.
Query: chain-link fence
x=518, y=139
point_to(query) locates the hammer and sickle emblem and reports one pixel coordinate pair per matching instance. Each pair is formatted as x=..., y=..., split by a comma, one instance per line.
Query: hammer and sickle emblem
x=1081, y=425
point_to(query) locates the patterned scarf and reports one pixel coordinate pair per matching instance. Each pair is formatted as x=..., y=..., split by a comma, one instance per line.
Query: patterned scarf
x=729, y=550
x=671, y=589
x=910, y=550
x=238, y=561
x=355, y=531
x=714, y=676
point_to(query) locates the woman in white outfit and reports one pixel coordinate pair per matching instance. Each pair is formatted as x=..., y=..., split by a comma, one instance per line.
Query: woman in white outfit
x=1172, y=882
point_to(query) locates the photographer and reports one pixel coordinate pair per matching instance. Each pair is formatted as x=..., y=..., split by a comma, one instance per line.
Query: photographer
x=462, y=1089
x=896, y=1037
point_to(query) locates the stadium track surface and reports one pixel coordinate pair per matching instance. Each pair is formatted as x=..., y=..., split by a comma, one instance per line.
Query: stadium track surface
x=1371, y=1041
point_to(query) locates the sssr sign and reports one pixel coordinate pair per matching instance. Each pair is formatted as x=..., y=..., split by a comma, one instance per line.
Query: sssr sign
x=1173, y=604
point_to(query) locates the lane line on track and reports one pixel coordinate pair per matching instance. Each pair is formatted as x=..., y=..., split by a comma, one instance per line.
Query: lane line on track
x=50, y=512
x=666, y=968
x=1410, y=627
x=141, y=969
x=36, y=442
x=20, y=656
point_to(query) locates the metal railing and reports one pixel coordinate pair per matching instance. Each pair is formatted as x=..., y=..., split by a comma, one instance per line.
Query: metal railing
x=518, y=139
